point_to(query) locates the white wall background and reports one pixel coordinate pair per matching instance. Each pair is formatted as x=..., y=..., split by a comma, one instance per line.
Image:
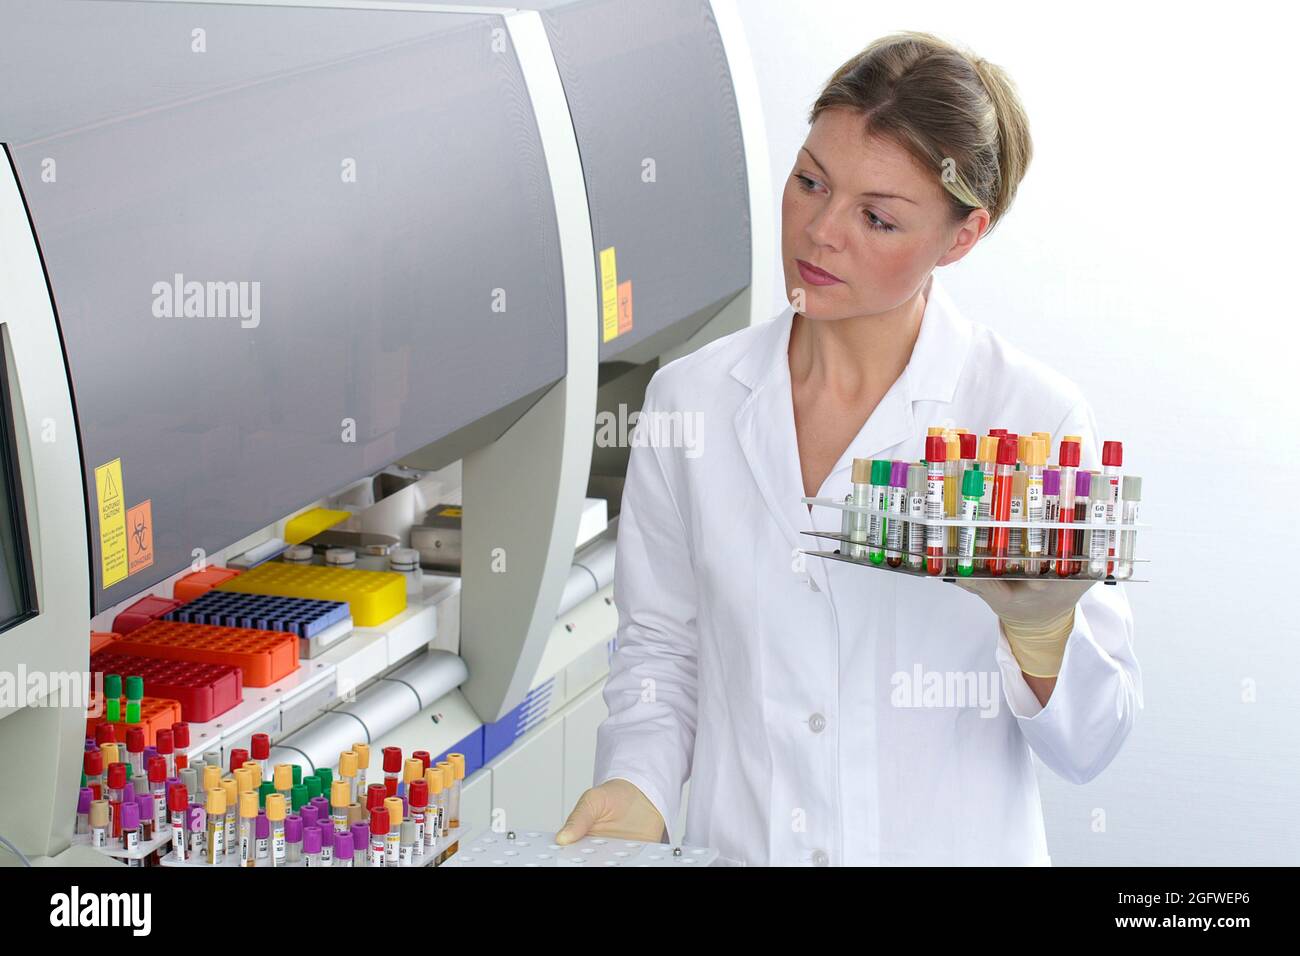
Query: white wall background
x=1146, y=256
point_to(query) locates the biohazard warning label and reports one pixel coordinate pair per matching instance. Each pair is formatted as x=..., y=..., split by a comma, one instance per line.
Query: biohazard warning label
x=139, y=536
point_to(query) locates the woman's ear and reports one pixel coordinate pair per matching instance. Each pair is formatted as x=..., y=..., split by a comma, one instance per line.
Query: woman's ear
x=968, y=233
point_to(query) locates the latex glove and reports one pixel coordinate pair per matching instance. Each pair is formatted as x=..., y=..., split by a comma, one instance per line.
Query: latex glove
x=1036, y=617
x=616, y=808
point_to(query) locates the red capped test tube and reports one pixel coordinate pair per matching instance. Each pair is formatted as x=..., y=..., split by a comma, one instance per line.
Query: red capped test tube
x=1000, y=509
x=936, y=460
x=1068, y=459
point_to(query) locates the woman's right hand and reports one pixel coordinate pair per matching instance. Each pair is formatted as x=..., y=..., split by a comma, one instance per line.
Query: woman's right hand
x=616, y=808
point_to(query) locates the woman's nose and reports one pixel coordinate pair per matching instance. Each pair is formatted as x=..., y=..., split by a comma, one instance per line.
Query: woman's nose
x=827, y=227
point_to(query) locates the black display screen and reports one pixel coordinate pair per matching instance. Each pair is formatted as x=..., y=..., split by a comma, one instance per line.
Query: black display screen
x=17, y=590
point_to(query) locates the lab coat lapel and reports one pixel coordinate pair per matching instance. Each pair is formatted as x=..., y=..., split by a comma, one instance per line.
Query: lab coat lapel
x=765, y=420
x=765, y=429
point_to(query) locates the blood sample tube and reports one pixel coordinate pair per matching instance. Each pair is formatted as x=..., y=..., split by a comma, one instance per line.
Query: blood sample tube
x=1051, y=514
x=260, y=750
x=162, y=741
x=1000, y=509
x=457, y=761
x=972, y=488
x=181, y=742
x=897, y=513
x=1098, y=540
x=262, y=832
x=393, y=840
x=936, y=459
x=1132, y=497
x=406, y=842
x=339, y=803
x=211, y=779
x=1112, y=459
x=846, y=525
x=363, y=762
x=859, y=522
x=292, y=839
x=434, y=812
x=876, y=526
x=85, y=797
x=1068, y=460
x=216, y=812
x=113, y=698
x=115, y=794
x=282, y=777
x=311, y=844
x=99, y=814
x=238, y=757
x=178, y=802
x=248, y=828
x=231, y=790
x=1082, y=491
x=360, y=833
x=131, y=832
x=1035, y=538
x=134, y=694
x=418, y=794
x=135, y=750
x=348, y=775
x=92, y=765
x=916, y=482
x=327, y=837
x=987, y=457
x=412, y=769
x=1016, y=540
x=951, y=485
x=343, y=850
x=392, y=769
x=275, y=814
x=379, y=819
x=148, y=831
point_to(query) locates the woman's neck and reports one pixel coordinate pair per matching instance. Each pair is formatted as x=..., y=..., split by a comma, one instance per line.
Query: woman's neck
x=855, y=359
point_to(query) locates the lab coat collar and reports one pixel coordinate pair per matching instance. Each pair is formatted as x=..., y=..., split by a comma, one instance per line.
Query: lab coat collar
x=931, y=374
x=764, y=422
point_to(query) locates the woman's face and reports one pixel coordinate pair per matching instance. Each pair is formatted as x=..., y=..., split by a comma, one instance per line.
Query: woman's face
x=865, y=211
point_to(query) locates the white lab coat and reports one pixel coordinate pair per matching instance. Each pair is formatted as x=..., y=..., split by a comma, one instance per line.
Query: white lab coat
x=776, y=682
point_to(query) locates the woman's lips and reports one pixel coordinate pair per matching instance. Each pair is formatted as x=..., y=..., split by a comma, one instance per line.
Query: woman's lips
x=814, y=276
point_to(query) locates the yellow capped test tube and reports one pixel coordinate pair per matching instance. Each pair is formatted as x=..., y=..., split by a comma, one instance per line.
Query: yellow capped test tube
x=348, y=772
x=952, y=483
x=340, y=801
x=275, y=804
x=363, y=764
x=248, y=828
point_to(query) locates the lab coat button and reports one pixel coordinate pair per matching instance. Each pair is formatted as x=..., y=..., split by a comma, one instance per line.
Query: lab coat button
x=820, y=858
x=813, y=584
x=817, y=722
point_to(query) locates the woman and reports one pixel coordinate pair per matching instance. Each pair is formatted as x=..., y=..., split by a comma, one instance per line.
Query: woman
x=823, y=713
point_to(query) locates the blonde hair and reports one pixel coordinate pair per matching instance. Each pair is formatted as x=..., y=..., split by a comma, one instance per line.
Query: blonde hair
x=955, y=113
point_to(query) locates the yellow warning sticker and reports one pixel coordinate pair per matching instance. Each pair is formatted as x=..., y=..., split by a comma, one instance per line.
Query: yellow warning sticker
x=608, y=295
x=112, y=523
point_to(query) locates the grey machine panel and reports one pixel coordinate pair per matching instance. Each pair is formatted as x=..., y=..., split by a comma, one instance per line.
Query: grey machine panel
x=651, y=81
x=379, y=299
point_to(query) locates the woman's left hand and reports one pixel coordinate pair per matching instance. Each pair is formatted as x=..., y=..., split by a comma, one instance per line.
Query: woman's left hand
x=1036, y=617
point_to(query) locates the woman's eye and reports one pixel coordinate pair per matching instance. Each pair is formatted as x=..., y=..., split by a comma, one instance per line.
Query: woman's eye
x=805, y=183
x=875, y=222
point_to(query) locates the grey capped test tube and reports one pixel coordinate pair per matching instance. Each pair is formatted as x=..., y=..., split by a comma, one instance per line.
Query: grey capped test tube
x=1131, y=497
